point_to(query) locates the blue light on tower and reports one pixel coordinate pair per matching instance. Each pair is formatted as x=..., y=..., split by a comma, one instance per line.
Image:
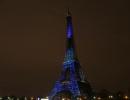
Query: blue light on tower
x=69, y=27
x=69, y=32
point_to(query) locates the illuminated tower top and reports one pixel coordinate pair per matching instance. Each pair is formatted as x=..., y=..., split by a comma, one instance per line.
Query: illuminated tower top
x=69, y=25
x=70, y=49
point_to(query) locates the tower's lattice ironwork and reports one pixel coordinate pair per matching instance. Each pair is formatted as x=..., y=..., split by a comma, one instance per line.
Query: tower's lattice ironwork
x=72, y=83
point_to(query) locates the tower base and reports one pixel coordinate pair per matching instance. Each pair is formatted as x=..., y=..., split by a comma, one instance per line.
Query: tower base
x=71, y=90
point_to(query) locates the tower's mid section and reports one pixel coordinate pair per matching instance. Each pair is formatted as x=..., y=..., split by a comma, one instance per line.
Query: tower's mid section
x=72, y=85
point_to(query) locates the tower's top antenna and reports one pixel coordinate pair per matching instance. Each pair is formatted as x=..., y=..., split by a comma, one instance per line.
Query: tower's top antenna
x=68, y=12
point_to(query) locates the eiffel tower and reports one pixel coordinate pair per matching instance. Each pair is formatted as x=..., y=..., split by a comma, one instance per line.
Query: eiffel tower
x=72, y=85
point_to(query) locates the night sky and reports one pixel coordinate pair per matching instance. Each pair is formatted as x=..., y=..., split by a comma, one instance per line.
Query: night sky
x=32, y=43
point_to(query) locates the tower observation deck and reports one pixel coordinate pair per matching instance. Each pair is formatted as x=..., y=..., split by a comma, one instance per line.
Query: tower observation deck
x=72, y=84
